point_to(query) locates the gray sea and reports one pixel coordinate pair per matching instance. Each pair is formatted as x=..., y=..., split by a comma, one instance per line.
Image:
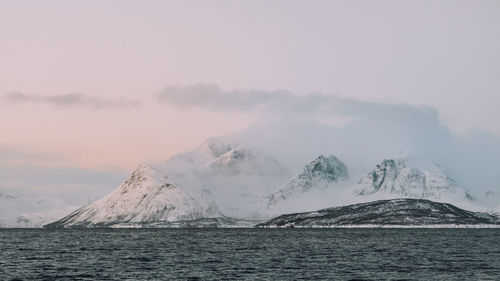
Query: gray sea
x=250, y=254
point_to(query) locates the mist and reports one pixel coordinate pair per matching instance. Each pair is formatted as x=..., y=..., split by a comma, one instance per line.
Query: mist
x=297, y=128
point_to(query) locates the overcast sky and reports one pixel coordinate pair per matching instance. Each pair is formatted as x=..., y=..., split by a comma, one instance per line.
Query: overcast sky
x=89, y=83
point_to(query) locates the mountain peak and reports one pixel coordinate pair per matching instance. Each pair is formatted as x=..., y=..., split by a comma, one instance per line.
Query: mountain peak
x=209, y=150
x=320, y=173
x=245, y=161
x=411, y=178
x=146, y=197
x=216, y=146
x=328, y=168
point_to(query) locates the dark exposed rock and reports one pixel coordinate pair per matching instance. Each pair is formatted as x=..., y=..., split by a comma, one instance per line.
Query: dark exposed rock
x=385, y=212
x=319, y=174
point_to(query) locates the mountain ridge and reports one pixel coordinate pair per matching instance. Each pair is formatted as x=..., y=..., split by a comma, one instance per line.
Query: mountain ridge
x=403, y=211
x=407, y=177
x=226, y=180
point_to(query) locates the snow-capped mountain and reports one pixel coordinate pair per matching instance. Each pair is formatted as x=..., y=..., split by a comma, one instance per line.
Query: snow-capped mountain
x=322, y=173
x=184, y=162
x=147, y=197
x=218, y=179
x=325, y=182
x=237, y=176
x=240, y=161
x=224, y=181
x=410, y=178
x=30, y=210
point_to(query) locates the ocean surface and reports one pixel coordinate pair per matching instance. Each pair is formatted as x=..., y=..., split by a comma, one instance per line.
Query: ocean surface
x=250, y=254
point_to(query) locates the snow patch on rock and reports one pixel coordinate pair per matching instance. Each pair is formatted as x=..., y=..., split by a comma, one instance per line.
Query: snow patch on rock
x=409, y=178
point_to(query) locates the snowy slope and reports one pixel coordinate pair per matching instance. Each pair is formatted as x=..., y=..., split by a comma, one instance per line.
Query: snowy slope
x=241, y=161
x=209, y=150
x=409, y=178
x=237, y=176
x=325, y=183
x=315, y=179
x=146, y=197
x=218, y=179
x=321, y=173
x=223, y=179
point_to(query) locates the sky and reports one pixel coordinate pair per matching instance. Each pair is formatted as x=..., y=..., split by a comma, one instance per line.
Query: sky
x=97, y=87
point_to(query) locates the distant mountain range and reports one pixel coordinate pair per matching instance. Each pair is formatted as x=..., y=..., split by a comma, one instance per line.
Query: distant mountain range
x=325, y=182
x=187, y=189
x=30, y=210
x=223, y=182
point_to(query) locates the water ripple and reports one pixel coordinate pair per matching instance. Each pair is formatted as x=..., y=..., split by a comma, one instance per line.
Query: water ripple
x=250, y=254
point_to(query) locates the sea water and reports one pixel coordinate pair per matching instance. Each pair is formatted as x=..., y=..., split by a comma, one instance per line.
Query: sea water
x=250, y=254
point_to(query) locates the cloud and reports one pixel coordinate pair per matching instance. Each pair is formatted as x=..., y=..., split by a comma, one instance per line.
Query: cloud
x=10, y=155
x=70, y=100
x=73, y=184
x=282, y=106
x=211, y=97
x=296, y=128
x=58, y=175
x=25, y=171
